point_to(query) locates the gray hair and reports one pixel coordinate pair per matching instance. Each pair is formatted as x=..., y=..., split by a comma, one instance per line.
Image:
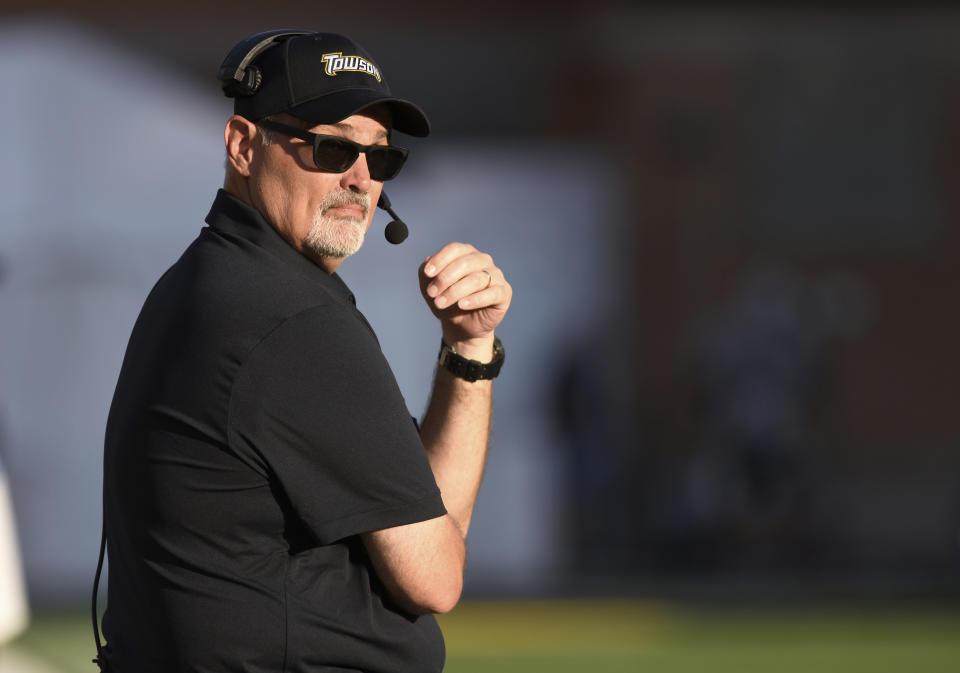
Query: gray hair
x=267, y=136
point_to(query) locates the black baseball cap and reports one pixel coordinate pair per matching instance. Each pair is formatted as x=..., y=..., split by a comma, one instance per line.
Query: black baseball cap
x=321, y=78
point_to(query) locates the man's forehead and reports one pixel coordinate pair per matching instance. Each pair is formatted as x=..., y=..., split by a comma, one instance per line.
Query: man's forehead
x=378, y=114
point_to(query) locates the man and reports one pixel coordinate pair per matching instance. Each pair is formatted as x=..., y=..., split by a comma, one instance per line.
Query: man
x=269, y=503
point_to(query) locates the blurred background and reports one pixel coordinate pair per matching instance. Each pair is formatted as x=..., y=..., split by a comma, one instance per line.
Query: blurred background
x=732, y=366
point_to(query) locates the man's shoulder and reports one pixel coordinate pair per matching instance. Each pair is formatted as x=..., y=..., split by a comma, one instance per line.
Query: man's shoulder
x=221, y=274
x=225, y=297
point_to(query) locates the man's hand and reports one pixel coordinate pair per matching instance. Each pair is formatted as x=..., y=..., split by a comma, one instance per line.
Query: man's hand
x=469, y=294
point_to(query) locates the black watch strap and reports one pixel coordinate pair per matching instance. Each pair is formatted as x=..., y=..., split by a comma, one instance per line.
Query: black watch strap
x=471, y=370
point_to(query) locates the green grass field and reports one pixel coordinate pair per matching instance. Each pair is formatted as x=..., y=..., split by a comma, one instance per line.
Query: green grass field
x=635, y=636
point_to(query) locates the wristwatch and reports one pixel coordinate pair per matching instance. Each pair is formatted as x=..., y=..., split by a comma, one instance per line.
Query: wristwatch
x=471, y=370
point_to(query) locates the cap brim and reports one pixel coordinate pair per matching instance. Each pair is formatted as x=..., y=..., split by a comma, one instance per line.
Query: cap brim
x=337, y=106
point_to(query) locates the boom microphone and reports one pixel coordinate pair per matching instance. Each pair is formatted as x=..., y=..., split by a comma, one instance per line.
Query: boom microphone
x=395, y=231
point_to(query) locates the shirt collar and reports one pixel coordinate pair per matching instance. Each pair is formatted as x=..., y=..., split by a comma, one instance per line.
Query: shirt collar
x=230, y=215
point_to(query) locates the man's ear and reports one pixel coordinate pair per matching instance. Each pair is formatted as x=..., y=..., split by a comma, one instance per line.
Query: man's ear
x=238, y=136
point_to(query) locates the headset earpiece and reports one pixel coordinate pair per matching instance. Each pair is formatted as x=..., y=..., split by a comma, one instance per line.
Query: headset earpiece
x=237, y=77
x=248, y=85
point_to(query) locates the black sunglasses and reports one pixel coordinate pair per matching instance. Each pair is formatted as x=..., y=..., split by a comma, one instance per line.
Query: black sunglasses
x=336, y=154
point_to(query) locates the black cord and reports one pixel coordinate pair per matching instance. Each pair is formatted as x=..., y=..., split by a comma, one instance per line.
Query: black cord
x=100, y=660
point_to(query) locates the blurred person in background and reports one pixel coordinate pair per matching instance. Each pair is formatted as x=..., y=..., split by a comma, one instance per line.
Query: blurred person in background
x=14, y=613
x=14, y=610
x=269, y=502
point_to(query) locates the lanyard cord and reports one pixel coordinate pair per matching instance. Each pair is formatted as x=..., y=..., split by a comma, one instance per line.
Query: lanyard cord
x=100, y=660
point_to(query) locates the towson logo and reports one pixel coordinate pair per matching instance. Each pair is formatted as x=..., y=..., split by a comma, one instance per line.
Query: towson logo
x=337, y=62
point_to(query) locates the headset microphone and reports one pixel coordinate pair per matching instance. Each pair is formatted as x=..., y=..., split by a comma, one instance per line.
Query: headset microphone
x=396, y=231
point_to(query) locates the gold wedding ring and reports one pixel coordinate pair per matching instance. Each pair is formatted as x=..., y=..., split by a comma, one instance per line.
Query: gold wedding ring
x=489, y=278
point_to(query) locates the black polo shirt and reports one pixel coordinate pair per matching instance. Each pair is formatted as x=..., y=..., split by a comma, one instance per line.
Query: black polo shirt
x=255, y=431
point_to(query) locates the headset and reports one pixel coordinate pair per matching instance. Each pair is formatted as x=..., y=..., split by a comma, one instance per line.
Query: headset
x=240, y=79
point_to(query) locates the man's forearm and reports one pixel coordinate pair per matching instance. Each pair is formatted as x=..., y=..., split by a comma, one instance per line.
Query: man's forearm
x=469, y=295
x=456, y=433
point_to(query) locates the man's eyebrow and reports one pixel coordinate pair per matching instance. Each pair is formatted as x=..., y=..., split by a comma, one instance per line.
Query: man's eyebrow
x=348, y=126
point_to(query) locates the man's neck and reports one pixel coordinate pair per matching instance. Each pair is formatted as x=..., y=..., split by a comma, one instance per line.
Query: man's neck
x=242, y=192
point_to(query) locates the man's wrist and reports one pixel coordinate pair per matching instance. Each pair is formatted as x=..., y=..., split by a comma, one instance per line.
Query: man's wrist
x=479, y=348
x=471, y=369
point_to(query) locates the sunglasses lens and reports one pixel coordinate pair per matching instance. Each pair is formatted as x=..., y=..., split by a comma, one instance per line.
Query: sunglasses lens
x=385, y=163
x=331, y=154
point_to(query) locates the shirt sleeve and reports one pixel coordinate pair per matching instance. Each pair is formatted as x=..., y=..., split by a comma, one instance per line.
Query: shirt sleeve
x=317, y=405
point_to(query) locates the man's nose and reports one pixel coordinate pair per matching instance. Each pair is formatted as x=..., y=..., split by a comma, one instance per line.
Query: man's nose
x=357, y=177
